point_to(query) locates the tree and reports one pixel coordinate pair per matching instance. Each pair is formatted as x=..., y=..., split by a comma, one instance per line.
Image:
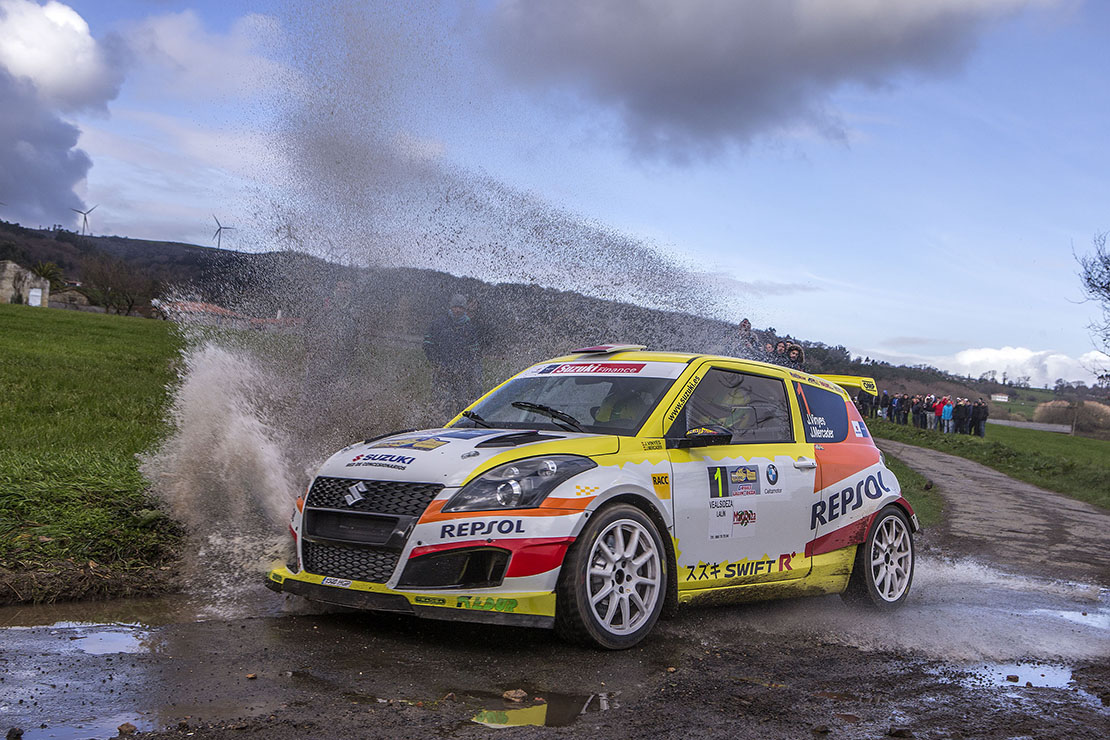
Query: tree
x=114, y=284
x=51, y=272
x=1095, y=274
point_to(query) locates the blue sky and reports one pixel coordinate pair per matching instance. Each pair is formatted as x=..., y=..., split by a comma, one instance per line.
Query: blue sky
x=917, y=200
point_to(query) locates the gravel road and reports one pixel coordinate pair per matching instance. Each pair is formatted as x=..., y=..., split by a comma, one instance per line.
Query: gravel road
x=1006, y=634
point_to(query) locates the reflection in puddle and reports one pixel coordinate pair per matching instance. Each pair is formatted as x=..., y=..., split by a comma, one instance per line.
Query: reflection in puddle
x=1019, y=674
x=110, y=640
x=557, y=710
x=90, y=728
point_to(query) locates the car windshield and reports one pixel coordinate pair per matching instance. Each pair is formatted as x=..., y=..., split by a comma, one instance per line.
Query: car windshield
x=601, y=404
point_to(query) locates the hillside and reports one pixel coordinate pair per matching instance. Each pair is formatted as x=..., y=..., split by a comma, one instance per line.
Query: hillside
x=510, y=317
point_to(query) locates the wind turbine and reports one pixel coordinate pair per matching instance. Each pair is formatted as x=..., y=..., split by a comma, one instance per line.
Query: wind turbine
x=220, y=229
x=84, y=217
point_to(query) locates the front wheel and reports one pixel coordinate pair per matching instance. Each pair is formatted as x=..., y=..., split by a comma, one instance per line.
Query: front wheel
x=883, y=570
x=613, y=581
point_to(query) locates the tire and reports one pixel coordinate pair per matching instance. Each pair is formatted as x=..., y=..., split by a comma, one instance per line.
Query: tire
x=606, y=597
x=883, y=570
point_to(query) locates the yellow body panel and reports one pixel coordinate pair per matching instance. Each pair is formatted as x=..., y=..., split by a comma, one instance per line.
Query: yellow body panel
x=535, y=604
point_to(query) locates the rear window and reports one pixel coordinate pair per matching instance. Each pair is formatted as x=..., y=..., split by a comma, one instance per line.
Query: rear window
x=824, y=414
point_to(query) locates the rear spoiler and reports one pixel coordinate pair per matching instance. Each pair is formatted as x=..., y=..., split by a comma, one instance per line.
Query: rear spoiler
x=853, y=381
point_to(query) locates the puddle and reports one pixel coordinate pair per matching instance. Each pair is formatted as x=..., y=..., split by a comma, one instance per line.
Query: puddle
x=92, y=727
x=960, y=611
x=110, y=640
x=556, y=710
x=1035, y=674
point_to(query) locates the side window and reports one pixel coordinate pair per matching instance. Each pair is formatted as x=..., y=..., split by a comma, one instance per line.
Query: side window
x=824, y=414
x=752, y=407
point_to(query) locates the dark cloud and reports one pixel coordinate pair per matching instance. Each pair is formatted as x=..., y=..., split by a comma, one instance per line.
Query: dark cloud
x=39, y=162
x=50, y=67
x=689, y=77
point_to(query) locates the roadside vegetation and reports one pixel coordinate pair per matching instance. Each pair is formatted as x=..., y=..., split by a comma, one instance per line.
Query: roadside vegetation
x=927, y=503
x=82, y=394
x=1078, y=467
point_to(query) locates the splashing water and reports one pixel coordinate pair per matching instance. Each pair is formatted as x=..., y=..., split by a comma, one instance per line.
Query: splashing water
x=958, y=610
x=321, y=342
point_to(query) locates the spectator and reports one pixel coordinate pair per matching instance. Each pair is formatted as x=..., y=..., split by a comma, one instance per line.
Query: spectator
x=747, y=344
x=451, y=346
x=979, y=414
x=904, y=409
x=946, y=415
x=960, y=415
x=795, y=356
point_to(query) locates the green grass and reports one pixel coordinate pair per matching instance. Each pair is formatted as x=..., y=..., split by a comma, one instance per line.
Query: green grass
x=81, y=395
x=927, y=504
x=1075, y=466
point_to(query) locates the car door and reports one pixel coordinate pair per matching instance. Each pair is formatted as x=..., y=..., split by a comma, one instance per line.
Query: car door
x=741, y=508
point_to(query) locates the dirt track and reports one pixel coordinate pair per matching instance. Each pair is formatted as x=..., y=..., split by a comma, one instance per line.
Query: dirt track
x=1012, y=523
x=797, y=669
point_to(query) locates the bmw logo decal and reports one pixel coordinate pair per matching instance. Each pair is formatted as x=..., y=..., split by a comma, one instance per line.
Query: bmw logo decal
x=772, y=474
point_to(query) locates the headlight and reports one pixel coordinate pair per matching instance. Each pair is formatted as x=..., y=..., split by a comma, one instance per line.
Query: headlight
x=522, y=484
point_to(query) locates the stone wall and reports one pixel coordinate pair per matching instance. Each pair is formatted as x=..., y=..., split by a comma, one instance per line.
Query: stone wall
x=16, y=284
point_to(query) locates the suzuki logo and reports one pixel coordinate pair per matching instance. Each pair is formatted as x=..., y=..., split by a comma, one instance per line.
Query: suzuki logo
x=354, y=493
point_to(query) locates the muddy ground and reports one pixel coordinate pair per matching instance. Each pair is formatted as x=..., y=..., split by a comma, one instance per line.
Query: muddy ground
x=1007, y=590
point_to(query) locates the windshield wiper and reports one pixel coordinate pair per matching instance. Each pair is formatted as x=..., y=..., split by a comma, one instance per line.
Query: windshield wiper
x=477, y=419
x=556, y=414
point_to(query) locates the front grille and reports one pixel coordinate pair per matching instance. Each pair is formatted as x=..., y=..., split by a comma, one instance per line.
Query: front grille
x=380, y=497
x=371, y=564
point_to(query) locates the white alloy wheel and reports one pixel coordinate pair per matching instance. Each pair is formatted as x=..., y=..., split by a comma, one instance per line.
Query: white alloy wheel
x=613, y=581
x=625, y=580
x=883, y=570
x=891, y=559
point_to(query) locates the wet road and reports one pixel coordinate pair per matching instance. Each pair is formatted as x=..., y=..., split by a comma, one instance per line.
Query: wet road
x=941, y=667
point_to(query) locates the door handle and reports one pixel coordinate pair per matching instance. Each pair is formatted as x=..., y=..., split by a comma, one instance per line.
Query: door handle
x=804, y=463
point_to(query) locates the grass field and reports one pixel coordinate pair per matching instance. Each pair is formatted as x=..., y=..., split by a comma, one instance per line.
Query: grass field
x=927, y=504
x=1075, y=466
x=82, y=394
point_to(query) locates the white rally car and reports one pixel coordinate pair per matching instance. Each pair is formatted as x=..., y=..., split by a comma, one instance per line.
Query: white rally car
x=594, y=492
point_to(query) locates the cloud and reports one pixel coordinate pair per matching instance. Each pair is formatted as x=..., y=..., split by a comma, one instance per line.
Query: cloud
x=50, y=65
x=175, y=51
x=686, y=78
x=1042, y=366
x=51, y=46
x=752, y=288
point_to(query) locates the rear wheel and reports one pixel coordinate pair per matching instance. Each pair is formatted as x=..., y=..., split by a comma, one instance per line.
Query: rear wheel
x=613, y=581
x=883, y=570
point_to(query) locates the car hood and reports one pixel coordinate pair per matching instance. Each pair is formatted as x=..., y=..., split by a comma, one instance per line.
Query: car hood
x=449, y=456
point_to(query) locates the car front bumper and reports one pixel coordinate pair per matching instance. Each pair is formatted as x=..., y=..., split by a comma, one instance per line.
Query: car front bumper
x=490, y=607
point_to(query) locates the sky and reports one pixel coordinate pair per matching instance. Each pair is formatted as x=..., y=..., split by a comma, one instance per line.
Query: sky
x=909, y=178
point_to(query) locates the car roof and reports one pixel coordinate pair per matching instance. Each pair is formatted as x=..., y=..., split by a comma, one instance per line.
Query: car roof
x=683, y=358
x=686, y=358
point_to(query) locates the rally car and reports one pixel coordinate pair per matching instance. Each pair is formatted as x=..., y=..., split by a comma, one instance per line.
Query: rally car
x=594, y=492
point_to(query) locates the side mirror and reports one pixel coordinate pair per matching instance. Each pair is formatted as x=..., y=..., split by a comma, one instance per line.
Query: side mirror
x=708, y=436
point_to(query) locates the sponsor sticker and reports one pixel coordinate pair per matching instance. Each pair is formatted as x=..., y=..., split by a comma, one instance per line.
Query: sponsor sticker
x=745, y=568
x=488, y=603
x=736, y=480
x=481, y=528
x=433, y=600
x=652, y=444
x=772, y=474
x=661, y=482
x=860, y=429
x=850, y=498
x=397, y=462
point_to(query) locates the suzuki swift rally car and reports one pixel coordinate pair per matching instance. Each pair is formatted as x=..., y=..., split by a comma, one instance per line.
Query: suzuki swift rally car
x=593, y=492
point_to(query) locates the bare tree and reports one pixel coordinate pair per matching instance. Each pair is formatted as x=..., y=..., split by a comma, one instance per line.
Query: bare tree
x=116, y=285
x=1095, y=275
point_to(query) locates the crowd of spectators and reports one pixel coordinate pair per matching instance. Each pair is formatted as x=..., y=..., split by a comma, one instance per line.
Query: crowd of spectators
x=766, y=346
x=943, y=414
